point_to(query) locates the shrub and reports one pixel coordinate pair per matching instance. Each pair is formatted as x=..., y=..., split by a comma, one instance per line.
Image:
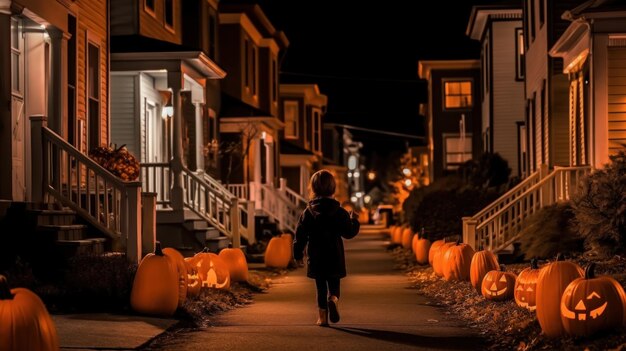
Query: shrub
x=600, y=208
x=491, y=170
x=548, y=232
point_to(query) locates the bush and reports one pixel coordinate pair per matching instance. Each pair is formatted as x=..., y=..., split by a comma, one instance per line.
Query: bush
x=548, y=232
x=491, y=170
x=600, y=208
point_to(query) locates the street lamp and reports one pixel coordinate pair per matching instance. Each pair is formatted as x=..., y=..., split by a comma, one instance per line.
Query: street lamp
x=371, y=175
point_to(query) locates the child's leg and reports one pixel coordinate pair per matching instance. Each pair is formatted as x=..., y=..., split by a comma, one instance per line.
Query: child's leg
x=322, y=293
x=334, y=287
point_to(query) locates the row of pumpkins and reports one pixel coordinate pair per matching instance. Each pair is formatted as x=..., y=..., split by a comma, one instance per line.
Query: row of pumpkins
x=566, y=299
x=165, y=279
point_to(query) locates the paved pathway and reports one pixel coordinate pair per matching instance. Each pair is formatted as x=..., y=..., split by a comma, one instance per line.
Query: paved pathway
x=378, y=312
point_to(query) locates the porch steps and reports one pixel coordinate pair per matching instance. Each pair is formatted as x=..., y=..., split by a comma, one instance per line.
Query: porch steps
x=188, y=233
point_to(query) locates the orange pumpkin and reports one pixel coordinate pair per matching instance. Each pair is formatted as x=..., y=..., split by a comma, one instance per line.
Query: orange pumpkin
x=278, y=252
x=236, y=262
x=212, y=270
x=456, y=262
x=438, y=260
x=483, y=262
x=392, y=229
x=181, y=271
x=24, y=321
x=434, y=247
x=194, y=283
x=498, y=285
x=396, y=236
x=526, y=286
x=155, y=288
x=421, y=248
x=407, y=238
x=592, y=304
x=551, y=283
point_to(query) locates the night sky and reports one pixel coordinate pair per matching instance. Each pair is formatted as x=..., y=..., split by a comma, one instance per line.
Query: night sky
x=364, y=57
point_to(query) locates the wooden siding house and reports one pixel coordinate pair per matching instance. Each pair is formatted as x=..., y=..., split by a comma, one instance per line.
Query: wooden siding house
x=498, y=28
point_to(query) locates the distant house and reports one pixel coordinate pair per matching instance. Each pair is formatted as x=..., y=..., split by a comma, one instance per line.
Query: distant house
x=333, y=158
x=498, y=28
x=303, y=108
x=593, y=49
x=453, y=113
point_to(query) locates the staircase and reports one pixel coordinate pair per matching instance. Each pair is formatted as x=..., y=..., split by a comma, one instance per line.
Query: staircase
x=497, y=226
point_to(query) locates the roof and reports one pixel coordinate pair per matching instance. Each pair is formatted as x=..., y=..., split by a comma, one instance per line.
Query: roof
x=480, y=16
x=140, y=43
x=311, y=93
x=287, y=148
x=233, y=107
x=426, y=66
x=257, y=16
x=595, y=7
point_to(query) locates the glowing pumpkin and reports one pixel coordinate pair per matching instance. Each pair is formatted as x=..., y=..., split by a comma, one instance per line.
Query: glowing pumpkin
x=592, y=304
x=155, y=288
x=212, y=270
x=498, y=285
x=181, y=271
x=434, y=247
x=456, y=262
x=483, y=262
x=278, y=252
x=551, y=283
x=438, y=259
x=194, y=283
x=526, y=286
x=236, y=262
x=24, y=321
x=421, y=248
x=407, y=238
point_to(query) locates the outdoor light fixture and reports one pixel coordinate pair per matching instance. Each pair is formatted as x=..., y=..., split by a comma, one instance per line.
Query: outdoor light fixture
x=371, y=175
x=357, y=174
x=358, y=194
x=408, y=182
x=367, y=199
x=406, y=172
x=167, y=110
x=353, y=199
x=349, y=174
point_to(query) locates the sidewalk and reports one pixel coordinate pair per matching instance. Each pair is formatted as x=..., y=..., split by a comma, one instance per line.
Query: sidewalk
x=106, y=331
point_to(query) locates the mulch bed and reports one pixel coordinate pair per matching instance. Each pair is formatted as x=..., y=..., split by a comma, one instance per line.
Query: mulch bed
x=504, y=325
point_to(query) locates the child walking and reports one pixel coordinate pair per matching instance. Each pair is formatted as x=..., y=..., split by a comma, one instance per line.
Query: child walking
x=320, y=230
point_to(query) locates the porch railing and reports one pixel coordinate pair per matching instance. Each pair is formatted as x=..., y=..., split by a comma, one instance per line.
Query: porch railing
x=296, y=199
x=239, y=190
x=502, y=227
x=157, y=178
x=76, y=181
x=280, y=208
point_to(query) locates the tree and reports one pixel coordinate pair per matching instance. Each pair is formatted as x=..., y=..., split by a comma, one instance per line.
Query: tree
x=236, y=151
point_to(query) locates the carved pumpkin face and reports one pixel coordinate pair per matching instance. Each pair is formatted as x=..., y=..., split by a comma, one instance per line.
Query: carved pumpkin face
x=498, y=285
x=526, y=287
x=212, y=271
x=592, y=304
x=193, y=279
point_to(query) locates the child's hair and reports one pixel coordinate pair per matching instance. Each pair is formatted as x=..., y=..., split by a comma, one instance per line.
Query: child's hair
x=322, y=184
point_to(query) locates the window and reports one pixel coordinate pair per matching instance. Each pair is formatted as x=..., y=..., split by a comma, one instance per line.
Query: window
x=16, y=57
x=246, y=75
x=532, y=20
x=93, y=94
x=458, y=149
x=212, y=37
x=519, y=54
x=254, y=67
x=274, y=81
x=169, y=14
x=290, y=110
x=458, y=94
x=542, y=12
x=316, y=130
x=486, y=68
x=148, y=5
x=71, y=80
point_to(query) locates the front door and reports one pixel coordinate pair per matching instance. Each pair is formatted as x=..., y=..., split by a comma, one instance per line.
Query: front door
x=17, y=112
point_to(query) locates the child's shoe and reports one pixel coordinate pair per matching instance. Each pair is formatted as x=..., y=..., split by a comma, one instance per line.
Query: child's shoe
x=333, y=309
x=322, y=320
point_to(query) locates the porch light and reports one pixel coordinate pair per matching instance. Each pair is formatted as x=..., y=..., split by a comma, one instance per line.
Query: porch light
x=371, y=175
x=367, y=199
x=406, y=172
x=263, y=135
x=358, y=194
x=166, y=99
x=408, y=182
x=354, y=199
x=357, y=174
x=349, y=174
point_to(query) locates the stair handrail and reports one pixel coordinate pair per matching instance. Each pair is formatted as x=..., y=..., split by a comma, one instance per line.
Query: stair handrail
x=117, y=214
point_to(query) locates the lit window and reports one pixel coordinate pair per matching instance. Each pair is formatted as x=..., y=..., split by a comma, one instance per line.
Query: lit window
x=290, y=110
x=457, y=150
x=519, y=58
x=458, y=94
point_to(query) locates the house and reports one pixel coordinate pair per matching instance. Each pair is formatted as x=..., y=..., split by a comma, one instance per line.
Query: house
x=249, y=121
x=453, y=114
x=301, y=151
x=593, y=49
x=502, y=68
x=164, y=109
x=333, y=158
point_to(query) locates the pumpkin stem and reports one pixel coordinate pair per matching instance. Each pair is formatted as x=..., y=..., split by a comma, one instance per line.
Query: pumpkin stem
x=157, y=249
x=5, y=292
x=423, y=236
x=458, y=241
x=502, y=268
x=533, y=264
x=559, y=257
x=590, y=271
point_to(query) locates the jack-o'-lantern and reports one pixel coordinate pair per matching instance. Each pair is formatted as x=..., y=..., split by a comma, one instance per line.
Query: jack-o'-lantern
x=456, y=262
x=181, y=270
x=592, y=304
x=498, y=285
x=212, y=270
x=551, y=283
x=438, y=259
x=155, y=288
x=526, y=286
x=24, y=321
x=483, y=262
x=421, y=247
x=434, y=247
x=407, y=238
x=279, y=251
x=236, y=262
x=194, y=283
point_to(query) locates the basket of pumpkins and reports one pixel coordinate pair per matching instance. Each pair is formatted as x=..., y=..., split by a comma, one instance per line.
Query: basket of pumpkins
x=118, y=161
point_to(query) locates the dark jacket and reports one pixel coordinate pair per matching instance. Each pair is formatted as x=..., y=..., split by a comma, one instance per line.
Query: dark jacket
x=321, y=226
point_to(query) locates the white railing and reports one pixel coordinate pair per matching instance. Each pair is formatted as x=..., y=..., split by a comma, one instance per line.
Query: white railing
x=111, y=205
x=281, y=209
x=246, y=224
x=296, y=199
x=502, y=228
x=157, y=178
x=239, y=190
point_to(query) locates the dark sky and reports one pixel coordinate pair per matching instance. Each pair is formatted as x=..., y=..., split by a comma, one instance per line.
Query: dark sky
x=364, y=55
